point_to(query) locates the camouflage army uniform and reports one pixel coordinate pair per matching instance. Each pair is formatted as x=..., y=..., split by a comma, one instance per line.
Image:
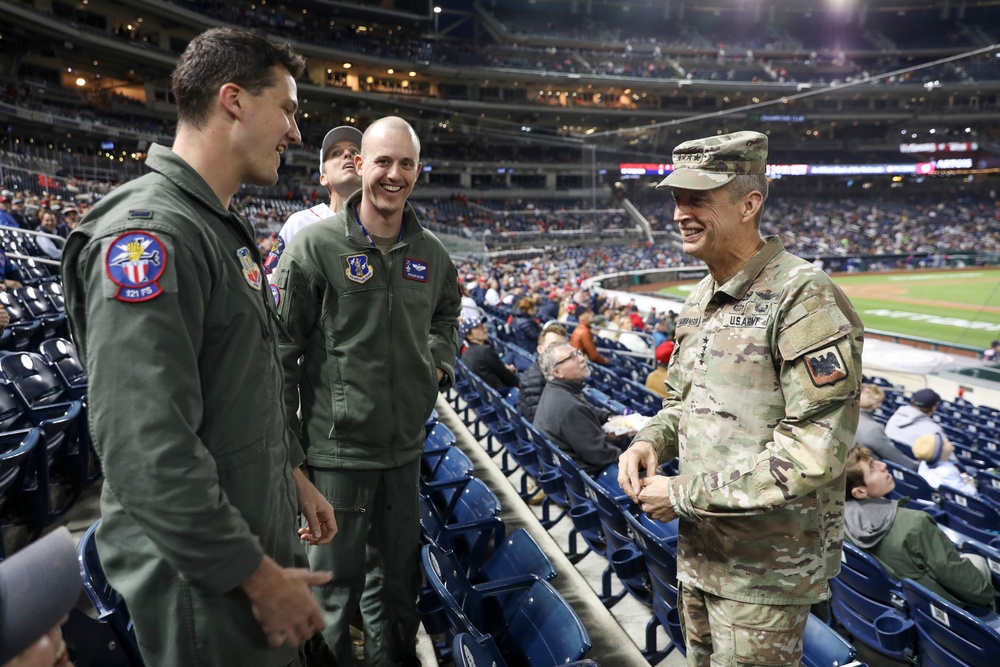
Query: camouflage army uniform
x=762, y=404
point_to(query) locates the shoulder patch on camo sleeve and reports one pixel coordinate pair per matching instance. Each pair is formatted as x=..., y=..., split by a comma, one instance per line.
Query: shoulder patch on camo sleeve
x=825, y=366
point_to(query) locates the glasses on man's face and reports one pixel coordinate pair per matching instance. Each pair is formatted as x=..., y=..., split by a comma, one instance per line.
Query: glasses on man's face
x=576, y=355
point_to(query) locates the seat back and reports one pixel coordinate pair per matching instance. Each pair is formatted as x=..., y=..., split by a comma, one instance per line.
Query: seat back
x=658, y=543
x=33, y=378
x=108, y=603
x=518, y=555
x=823, y=647
x=972, y=516
x=544, y=630
x=611, y=513
x=950, y=635
x=23, y=484
x=61, y=353
x=909, y=483
x=471, y=541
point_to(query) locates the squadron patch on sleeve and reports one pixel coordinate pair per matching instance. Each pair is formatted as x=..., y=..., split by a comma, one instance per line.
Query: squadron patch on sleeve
x=825, y=366
x=134, y=262
x=276, y=293
x=415, y=269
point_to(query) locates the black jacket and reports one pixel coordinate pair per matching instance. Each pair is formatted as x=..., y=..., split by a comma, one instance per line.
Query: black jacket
x=486, y=363
x=566, y=417
x=532, y=385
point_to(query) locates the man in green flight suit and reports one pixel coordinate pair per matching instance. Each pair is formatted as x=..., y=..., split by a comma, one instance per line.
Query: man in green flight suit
x=761, y=408
x=370, y=303
x=174, y=319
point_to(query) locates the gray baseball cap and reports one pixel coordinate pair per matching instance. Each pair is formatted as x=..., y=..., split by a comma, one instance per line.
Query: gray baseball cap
x=335, y=136
x=38, y=586
x=709, y=163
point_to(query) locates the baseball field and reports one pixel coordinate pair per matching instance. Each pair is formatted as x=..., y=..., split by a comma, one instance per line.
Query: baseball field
x=957, y=306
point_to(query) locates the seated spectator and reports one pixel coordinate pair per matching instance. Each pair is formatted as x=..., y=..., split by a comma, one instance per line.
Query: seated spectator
x=870, y=433
x=10, y=274
x=630, y=339
x=526, y=328
x=913, y=420
x=583, y=338
x=482, y=359
x=38, y=586
x=565, y=415
x=656, y=380
x=907, y=541
x=469, y=307
x=934, y=452
x=533, y=380
x=549, y=310
x=661, y=334
x=992, y=353
x=47, y=220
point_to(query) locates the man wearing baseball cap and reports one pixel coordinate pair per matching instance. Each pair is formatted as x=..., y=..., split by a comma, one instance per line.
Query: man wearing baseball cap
x=762, y=405
x=337, y=174
x=909, y=422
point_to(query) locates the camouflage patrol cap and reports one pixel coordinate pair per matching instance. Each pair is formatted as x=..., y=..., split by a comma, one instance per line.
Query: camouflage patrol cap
x=709, y=163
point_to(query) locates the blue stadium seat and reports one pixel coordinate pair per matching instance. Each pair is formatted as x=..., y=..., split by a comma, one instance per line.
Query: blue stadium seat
x=530, y=622
x=909, y=483
x=108, y=603
x=823, y=647
x=41, y=308
x=24, y=494
x=467, y=651
x=471, y=539
x=976, y=517
x=949, y=635
x=624, y=558
x=864, y=592
x=657, y=542
x=24, y=331
x=61, y=353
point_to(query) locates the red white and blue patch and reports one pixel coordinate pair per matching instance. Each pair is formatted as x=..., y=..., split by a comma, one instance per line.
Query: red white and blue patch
x=134, y=262
x=251, y=272
x=415, y=269
x=276, y=293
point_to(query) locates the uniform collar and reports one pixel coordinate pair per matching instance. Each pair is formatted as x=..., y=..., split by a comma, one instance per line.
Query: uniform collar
x=412, y=228
x=737, y=286
x=173, y=167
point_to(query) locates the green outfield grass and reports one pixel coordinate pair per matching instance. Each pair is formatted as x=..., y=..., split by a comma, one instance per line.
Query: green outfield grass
x=952, y=306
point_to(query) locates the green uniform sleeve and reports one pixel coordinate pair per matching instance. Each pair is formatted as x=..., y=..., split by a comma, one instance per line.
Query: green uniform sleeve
x=145, y=412
x=298, y=308
x=946, y=566
x=443, y=340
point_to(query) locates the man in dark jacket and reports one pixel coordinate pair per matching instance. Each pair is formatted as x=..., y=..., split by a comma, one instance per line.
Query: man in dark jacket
x=566, y=417
x=908, y=542
x=482, y=359
x=532, y=380
x=870, y=433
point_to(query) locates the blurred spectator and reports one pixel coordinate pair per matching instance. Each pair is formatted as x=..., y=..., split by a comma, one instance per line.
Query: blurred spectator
x=656, y=380
x=482, y=359
x=630, y=339
x=533, y=380
x=913, y=420
x=6, y=219
x=934, y=450
x=870, y=433
x=526, y=328
x=992, y=353
x=549, y=310
x=10, y=274
x=17, y=212
x=583, y=338
x=46, y=244
x=469, y=307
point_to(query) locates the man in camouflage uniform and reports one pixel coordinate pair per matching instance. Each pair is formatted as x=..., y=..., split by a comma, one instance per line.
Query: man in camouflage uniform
x=761, y=408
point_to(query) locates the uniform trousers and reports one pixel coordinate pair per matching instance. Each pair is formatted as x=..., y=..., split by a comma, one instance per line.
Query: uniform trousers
x=728, y=633
x=375, y=561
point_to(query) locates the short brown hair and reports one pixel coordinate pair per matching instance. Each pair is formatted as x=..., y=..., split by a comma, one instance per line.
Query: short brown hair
x=553, y=327
x=226, y=55
x=854, y=470
x=526, y=304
